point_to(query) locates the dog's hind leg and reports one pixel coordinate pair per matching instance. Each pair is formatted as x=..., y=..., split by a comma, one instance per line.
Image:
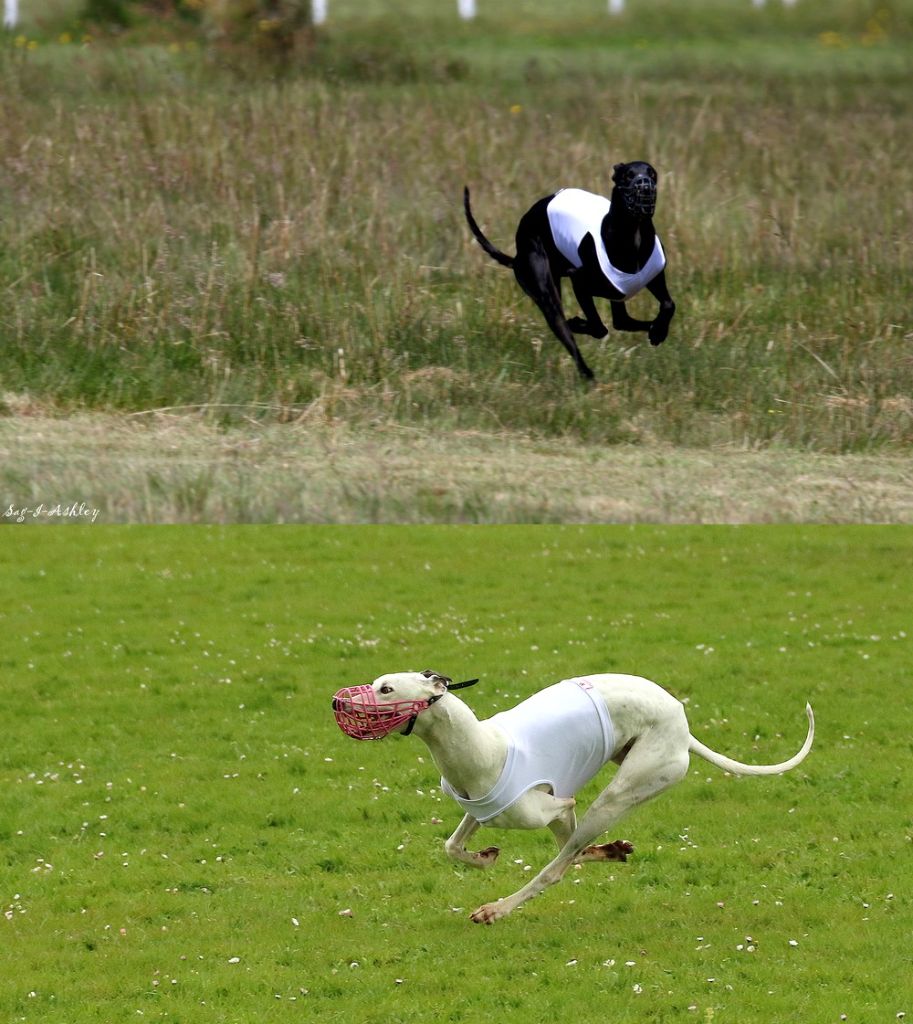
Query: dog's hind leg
x=534, y=275
x=455, y=846
x=657, y=760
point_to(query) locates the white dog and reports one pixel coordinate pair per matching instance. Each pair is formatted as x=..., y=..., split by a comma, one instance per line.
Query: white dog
x=522, y=767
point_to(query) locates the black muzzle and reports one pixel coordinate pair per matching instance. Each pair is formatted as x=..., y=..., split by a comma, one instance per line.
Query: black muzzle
x=639, y=197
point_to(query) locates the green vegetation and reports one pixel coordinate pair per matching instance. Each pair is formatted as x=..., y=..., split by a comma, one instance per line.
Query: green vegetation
x=185, y=223
x=185, y=835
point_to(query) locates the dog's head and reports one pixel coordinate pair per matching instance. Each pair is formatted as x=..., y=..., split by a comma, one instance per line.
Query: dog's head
x=394, y=700
x=635, y=188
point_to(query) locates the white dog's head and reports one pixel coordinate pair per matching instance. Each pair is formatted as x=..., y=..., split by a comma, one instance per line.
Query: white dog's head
x=410, y=686
x=391, y=701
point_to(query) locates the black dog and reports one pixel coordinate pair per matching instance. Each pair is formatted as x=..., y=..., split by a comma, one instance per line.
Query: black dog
x=609, y=250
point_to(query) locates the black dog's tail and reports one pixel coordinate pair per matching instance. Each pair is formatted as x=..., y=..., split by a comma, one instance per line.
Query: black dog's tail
x=495, y=254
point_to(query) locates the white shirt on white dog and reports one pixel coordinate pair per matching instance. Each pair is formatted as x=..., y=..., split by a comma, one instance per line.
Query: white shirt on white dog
x=560, y=737
x=572, y=215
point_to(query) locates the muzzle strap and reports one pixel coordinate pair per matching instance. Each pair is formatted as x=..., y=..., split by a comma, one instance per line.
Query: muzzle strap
x=435, y=699
x=463, y=685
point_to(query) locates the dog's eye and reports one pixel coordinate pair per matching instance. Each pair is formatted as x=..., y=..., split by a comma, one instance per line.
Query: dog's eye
x=386, y=689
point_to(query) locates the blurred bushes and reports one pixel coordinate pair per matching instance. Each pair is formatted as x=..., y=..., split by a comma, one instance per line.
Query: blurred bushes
x=266, y=28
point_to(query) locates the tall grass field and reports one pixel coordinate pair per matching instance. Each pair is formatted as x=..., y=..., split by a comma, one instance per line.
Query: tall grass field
x=185, y=835
x=186, y=226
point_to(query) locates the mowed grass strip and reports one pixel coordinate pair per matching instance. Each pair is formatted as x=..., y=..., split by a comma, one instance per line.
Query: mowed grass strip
x=189, y=468
x=186, y=835
x=173, y=231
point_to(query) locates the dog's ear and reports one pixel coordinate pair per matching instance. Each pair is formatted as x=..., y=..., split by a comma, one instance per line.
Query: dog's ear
x=431, y=674
x=616, y=170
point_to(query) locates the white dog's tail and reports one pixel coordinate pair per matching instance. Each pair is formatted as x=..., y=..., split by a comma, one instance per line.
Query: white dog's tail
x=737, y=768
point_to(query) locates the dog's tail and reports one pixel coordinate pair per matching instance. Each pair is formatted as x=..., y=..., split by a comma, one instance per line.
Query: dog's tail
x=737, y=768
x=495, y=254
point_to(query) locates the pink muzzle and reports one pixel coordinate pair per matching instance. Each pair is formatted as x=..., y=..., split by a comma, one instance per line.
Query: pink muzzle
x=360, y=716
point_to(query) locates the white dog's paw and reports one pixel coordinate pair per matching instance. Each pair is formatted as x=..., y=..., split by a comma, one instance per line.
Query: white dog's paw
x=485, y=858
x=487, y=914
x=621, y=849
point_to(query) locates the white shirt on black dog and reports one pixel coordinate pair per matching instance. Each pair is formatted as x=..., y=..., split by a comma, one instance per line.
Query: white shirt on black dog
x=572, y=215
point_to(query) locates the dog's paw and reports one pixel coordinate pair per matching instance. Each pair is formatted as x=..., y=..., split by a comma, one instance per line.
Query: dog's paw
x=487, y=914
x=657, y=333
x=580, y=326
x=619, y=850
x=485, y=858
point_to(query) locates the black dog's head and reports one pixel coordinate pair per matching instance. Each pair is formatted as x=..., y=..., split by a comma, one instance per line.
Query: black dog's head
x=635, y=187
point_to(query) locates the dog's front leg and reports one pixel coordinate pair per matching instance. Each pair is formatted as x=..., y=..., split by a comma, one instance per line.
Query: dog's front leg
x=455, y=846
x=623, y=321
x=659, y=329
x=549, y=875
x=656, y=761
x=590, y=323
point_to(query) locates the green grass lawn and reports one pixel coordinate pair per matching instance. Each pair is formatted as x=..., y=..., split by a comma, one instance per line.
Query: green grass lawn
x=180, y=227
x=182, y=825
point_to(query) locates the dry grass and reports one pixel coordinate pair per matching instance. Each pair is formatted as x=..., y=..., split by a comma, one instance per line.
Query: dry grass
x=171, y=233
x=167, y=467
